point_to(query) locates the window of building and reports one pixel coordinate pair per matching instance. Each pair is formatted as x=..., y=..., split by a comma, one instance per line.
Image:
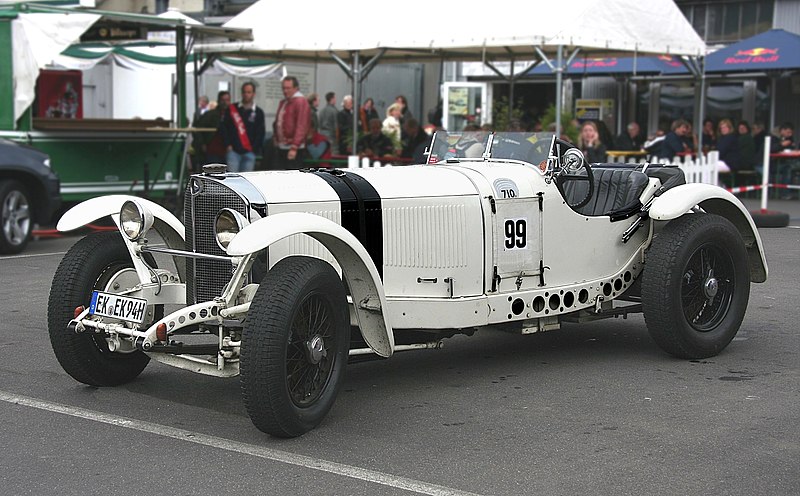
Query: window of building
x=727, y=22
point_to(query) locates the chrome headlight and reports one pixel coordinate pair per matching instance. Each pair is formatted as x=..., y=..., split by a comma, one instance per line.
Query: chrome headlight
x=228, y=224
x=135, y=220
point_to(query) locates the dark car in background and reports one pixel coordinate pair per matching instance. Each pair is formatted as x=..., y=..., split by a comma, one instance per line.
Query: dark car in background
x=29, y=194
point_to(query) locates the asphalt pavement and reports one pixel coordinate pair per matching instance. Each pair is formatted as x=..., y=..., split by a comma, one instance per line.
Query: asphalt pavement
x=592, y=408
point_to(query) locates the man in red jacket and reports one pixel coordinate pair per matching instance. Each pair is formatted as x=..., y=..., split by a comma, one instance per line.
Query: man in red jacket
x=291, y=125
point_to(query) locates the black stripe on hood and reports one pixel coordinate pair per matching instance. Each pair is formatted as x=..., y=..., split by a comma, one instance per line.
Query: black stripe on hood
x=362, y=213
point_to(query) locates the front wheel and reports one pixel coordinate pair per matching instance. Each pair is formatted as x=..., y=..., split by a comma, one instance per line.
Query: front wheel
x=17, y=224
x=100, y=261
x=695, y=285
x=294, y=346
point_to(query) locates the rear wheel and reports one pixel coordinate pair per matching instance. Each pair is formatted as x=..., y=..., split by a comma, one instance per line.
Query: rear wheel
x=695, y=286
x=101, y=262
x=16, y=223
x=294, y=346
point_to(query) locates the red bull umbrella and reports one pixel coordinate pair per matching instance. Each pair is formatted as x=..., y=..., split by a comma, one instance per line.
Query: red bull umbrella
x=771, y=50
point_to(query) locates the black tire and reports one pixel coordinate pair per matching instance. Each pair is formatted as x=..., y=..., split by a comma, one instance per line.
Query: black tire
x=770, y=218
x=287, y=388
x=691, y=312
x=16, y=219
x=89, y=265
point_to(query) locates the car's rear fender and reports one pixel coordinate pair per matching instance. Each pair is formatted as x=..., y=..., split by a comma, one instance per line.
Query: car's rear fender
x=681, y=199
x=363, y=280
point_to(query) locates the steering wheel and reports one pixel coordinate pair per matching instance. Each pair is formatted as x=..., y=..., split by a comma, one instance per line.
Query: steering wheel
x=574, y=168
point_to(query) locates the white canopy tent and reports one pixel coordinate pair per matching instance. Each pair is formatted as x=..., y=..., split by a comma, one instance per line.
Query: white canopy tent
x=423, y=30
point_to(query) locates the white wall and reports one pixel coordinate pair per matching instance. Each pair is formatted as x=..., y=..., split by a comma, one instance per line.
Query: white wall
x=97, y=100
x=144, y=94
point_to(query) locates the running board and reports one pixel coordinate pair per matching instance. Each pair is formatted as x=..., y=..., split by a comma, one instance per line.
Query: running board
x=365, y=354
x=588, y=316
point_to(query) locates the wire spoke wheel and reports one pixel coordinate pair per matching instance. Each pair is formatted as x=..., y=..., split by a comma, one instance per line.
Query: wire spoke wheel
x=294, y=346
x=707, y=288
x=695, y=285
x=308, y=366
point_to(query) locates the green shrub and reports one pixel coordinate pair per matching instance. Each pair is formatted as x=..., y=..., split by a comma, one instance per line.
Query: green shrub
x=567, y=124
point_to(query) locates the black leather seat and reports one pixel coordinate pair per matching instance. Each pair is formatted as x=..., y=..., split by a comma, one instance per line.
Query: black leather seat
x=617, y=188
x=669, y=175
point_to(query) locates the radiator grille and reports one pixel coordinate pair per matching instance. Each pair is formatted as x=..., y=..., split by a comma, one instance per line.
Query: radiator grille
x=205, y=279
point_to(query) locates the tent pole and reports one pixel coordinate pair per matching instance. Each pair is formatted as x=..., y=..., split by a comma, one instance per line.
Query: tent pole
x=342, y=64
x=620, y=95
x=701, y=112
x=773, y=87
x=356, y=98
x=371, y=64
x=559, y=71
x=180, y=60
x=356, y=74
x=511, y=80
x=194, y=80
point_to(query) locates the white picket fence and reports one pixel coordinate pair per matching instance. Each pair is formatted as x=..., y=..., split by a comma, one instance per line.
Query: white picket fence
x=703, y=169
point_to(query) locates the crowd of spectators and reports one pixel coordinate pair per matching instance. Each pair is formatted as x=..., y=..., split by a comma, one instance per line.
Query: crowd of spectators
x=387, y=137
x=303, y=133
x=740, y=146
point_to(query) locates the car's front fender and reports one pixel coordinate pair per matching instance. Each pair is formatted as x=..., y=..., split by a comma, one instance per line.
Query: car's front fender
x=164, y=223
x=97, y=208
x=362, y=276
x=681, y=199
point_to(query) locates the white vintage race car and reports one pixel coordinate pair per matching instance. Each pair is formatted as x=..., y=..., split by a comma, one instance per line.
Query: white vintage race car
x=283, y=277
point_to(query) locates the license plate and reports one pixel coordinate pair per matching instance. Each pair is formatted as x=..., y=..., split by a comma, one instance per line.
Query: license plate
x=118, y=307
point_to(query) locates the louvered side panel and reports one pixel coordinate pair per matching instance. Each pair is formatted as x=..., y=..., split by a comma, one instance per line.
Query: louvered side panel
x=425, y=236
x=430, y=240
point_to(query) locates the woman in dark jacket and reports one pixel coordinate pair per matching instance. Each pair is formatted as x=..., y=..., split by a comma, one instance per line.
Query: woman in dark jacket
x=368, y=113
x=747, y=146
x=709, y=136
x=728, y=145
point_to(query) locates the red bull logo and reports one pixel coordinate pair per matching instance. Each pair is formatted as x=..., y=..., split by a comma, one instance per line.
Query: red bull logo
x=583, y=64
x=755, y=52
x=754, y=56
x=670, y=61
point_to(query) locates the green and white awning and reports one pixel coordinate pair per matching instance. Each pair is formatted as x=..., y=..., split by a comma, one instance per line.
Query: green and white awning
x=156, y=56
